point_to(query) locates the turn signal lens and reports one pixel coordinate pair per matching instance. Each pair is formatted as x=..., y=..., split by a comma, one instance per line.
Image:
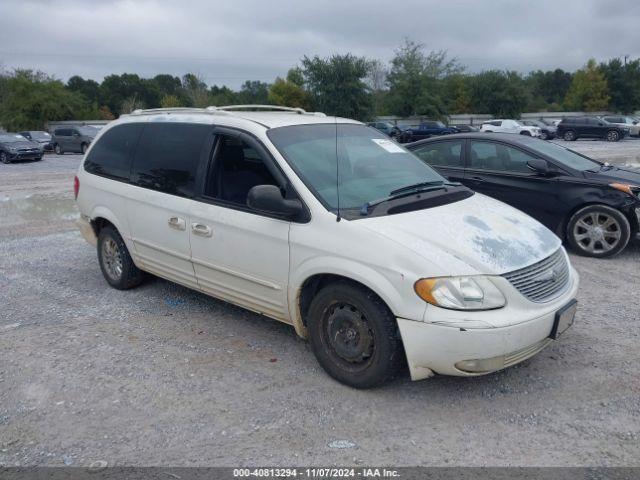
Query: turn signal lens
x=460, y=293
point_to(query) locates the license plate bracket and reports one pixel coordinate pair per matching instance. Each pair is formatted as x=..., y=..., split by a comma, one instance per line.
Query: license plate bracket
x=564, y=319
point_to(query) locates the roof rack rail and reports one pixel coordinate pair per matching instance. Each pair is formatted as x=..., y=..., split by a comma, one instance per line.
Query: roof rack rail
x=152, y=111
x=300, y=111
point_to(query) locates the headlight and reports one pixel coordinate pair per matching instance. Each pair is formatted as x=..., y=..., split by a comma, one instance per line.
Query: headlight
x=460, y=293
x=633, y=190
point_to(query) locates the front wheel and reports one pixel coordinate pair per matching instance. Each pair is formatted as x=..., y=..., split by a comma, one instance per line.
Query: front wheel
x=4, y=158
x=612, y=136
x=544, y=136
x=528, y=134
x=115, y=262
x=569, y=136
x=57, y=149
x=83, y=148
x=354, y=335
x=598, y=231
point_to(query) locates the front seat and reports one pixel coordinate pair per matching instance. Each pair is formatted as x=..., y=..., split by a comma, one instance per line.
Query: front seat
x=236, y=178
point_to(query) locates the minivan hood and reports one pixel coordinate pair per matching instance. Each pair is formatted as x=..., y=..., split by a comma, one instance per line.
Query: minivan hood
x=478, y=235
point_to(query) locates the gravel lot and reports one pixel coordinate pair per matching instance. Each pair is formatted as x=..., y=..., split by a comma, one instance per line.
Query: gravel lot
x=162, y=375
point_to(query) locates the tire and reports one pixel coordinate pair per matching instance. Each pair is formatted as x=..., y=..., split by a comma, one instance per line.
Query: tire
x=598, y=231
x=570, y=136
x=4, y=158
x=57, y=149
x=612, y=136
x=525, y=133
x=343, y=313
x=83, y=148
x=116, y=264
x=544, y=136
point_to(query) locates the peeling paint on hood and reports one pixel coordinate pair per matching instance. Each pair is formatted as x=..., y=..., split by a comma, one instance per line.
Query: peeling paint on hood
x=487, y=235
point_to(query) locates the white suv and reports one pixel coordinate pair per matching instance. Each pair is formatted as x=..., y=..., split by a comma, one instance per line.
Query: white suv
x=325, y=224
x=510, y=126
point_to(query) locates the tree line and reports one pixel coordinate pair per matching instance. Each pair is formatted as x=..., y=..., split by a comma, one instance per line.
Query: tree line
x=416, y=82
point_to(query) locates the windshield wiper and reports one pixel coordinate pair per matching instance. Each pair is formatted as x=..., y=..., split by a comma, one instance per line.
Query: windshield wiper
x=416, y=186
x=405, y=192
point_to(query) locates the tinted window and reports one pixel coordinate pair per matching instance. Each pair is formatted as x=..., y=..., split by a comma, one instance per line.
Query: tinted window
x=111, y=155
x=499, y=157
x=445, y=154
x=236, y=168
x=62, y=132
x=167, y=157
x=567, y=157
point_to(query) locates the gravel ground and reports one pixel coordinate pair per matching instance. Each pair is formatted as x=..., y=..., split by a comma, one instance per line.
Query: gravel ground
x=162, y=375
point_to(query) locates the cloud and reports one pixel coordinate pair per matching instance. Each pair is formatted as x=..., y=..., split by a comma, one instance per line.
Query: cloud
x=228, y=42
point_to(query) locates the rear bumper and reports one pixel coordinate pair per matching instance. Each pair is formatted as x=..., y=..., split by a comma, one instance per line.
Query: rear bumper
x=86, y=229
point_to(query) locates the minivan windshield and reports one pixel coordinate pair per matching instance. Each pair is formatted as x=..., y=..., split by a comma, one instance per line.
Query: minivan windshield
x=352, y=160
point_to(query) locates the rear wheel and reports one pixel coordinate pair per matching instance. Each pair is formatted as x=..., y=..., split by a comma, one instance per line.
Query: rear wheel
x=569, y=136
x=598, y=231
x=83, y=148
x=544, y=136
x=612, y=136
x=524, y=132
x=354, y=335
x=115, y=262
x=4, y=158
x=57, y=149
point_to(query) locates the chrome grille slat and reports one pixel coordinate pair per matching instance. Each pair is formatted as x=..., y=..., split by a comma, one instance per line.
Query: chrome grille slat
x=526, y=280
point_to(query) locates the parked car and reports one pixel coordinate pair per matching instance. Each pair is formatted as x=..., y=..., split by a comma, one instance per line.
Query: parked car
x=14, y=147
x=547, y=130
x=593, y=206
x=509, y=126
x=73, y=139
x=392, y=260
x=386, y=127
x=465, y=128
x=573, y=128
x=426, y=130
x=40, y=137
x=625, y=122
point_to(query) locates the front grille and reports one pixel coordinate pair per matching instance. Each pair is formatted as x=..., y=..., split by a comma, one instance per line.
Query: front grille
x=526, y=352
x=544, y=280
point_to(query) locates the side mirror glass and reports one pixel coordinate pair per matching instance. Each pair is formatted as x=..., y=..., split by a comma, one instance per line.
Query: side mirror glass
x=268, y=198
x=538, y=166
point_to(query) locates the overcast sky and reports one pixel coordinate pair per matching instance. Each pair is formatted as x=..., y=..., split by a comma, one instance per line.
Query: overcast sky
x=228, y=42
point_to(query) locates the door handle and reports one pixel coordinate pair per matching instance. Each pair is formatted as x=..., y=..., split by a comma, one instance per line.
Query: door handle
x=201, y=229
x=177, y=223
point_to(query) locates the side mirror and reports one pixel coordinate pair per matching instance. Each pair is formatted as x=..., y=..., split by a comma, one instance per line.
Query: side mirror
x=268, y=198
x=538, y=166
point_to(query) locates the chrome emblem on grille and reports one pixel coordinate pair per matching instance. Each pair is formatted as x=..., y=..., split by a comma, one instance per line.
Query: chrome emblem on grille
x=551, y=275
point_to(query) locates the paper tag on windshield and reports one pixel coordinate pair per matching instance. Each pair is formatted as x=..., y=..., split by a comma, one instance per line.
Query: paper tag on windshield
x=388, y=145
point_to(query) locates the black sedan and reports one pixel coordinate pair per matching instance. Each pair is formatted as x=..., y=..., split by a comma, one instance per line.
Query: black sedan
x=15, y=147
x=593, y=205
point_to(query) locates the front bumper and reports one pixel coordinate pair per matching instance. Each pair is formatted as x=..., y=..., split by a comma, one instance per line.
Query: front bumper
x=434, y=347
x=15, y=157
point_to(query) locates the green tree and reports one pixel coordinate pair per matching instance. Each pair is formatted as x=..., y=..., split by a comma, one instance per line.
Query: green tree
x=195, y=90
x=117, y=91
x=623, y=80
x=28, y=100
x=171, y=101
x=288, y=94
x=89, y=88
x=337, y=85
x=415, y=80
x=254, y=92
x=588, y=91
x=458, y=94
x=548, y=87
x=500, y=93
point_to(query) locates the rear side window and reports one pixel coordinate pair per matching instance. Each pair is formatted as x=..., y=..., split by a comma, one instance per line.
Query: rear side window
x=111, y=155
x=441, y=154
x=167, y=157
x=499, y=157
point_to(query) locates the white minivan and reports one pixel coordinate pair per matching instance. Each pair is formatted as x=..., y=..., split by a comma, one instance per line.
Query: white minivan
x=328, y=225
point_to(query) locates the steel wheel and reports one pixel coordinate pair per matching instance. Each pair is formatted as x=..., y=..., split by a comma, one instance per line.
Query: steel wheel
x=613, y=136
x=597, y=233
x=348, y=335
x=112, y=259
x=569, y=136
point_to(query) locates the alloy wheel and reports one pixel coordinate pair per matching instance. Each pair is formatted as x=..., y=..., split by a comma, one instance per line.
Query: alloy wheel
x=612, y=136
x=597, y=232
x=112, y=258
x=4, y=158
x=569, y=136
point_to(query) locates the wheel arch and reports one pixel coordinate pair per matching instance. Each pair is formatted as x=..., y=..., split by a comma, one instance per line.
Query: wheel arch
x=306, y=284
